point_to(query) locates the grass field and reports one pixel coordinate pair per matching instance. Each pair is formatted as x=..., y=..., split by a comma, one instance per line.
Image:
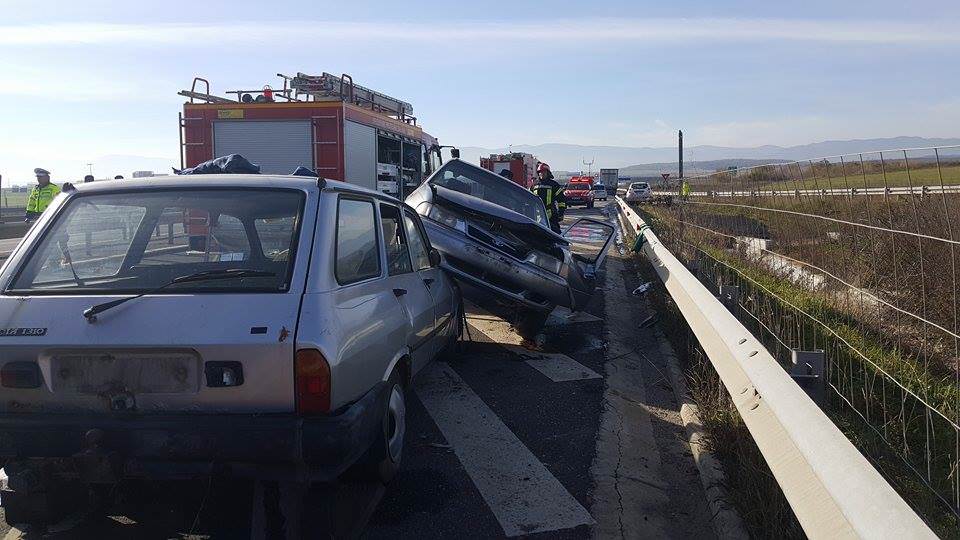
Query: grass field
x=9, y=199
x=774, y=178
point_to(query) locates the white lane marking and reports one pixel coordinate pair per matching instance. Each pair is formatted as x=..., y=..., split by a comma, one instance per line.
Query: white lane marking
x=556, y=366
x=496, y=329
x=520, y=491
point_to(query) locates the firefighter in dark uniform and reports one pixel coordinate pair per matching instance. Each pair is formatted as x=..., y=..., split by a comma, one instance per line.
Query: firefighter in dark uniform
x=41, y=195
x=551, y=193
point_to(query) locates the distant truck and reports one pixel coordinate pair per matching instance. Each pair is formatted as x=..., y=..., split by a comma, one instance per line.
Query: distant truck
x=609, y=178
x=579, y=190
x=522, y=166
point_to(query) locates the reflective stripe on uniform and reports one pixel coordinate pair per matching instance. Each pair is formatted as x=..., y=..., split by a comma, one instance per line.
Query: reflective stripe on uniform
x=40, y=197
x=545, y=193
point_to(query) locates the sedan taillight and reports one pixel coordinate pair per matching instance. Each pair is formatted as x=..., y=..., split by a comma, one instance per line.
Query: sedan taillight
x=312, y=381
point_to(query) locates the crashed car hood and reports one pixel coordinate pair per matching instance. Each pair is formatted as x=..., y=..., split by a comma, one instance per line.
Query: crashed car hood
x=520, y=224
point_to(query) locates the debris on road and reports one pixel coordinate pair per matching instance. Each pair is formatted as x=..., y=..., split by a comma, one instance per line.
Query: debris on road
x=642, y=289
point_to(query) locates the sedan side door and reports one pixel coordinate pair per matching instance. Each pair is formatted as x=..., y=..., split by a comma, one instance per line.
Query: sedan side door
x=407, y=285
x=435, y=279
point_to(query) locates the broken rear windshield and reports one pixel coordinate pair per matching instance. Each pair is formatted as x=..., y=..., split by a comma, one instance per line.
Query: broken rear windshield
x=481, y=183
x=135, y=241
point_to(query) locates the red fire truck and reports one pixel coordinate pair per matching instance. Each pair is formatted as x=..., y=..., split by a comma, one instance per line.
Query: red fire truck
x=522, y=166
x=340, y=129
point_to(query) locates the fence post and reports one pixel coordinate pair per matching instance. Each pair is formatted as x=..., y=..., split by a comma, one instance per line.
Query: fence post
x=808, y=370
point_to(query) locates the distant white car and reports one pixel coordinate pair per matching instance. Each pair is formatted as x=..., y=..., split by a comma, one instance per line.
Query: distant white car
x=599, y=192
x=638, y=192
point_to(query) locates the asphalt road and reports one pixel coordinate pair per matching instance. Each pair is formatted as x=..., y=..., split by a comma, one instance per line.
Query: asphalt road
x=578, y=438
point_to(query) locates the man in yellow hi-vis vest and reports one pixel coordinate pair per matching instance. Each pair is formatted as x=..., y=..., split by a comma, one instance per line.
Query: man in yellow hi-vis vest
x=41, y=195
x=551, y=193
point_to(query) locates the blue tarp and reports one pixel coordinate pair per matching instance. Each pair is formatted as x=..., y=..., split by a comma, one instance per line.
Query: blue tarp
x=232, y=164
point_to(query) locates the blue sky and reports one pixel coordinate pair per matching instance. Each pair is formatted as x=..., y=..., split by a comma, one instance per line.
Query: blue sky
x=80, y=80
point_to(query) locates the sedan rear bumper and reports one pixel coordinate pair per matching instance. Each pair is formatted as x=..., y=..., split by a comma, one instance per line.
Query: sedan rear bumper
x=282, y=446
x=485, y=267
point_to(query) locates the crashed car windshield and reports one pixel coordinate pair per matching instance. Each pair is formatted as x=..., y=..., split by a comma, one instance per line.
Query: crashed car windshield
x=118, y=243
x=459, y=176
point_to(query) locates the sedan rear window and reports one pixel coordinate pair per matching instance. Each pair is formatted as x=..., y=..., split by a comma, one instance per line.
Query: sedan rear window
x=135, y=241
x=358, y=256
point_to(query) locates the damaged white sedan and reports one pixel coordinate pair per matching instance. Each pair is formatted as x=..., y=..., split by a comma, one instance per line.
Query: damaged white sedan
x=246, y=325
x=495, y=235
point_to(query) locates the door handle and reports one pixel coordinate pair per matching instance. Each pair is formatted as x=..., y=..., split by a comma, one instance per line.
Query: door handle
x=399, y=292
x=428, y=281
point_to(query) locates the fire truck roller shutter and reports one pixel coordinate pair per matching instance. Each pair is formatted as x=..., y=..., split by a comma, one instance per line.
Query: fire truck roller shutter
x=500, y=166
x=360, y=154
x=278, y=146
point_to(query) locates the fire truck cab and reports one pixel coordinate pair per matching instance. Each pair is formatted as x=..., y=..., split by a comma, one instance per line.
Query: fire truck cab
x=339, y=129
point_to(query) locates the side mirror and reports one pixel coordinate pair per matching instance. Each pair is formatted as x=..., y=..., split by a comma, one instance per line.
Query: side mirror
x=454, y=153
x=434, y=257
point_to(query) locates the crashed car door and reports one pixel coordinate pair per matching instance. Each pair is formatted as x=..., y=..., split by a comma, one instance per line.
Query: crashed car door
x=589, y=240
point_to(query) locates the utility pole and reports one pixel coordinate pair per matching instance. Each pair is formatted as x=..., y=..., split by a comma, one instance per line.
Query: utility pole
x=680, y=136
x=589, y=165
x=89, y=168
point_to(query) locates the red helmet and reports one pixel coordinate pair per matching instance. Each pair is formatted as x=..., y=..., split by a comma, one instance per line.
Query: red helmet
x=543, y=167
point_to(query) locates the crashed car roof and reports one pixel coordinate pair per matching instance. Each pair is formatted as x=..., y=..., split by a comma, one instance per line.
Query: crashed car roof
x=473, y=181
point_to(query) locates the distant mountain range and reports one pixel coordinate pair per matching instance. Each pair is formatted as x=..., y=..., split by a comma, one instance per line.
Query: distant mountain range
x=649, y=161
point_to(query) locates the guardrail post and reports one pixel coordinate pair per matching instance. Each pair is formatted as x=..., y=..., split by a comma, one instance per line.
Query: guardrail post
x=730, y=296
x=809, y=370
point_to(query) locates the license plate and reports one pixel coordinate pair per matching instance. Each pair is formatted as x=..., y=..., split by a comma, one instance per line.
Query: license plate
x=134, y=372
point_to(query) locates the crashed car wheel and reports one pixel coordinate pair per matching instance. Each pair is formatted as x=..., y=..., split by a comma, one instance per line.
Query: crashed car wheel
x=452, y=345
x=382, y=460
x=531, y=323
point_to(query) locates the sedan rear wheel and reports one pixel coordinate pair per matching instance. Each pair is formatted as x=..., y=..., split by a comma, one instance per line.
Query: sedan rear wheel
x=382, y=460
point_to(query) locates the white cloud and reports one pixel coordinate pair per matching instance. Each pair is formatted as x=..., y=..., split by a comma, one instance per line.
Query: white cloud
x=572, y=32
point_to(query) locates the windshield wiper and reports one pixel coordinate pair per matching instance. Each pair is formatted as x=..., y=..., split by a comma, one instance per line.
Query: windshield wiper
x=208, y=275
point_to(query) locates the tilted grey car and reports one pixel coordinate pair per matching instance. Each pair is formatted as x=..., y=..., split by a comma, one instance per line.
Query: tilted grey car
x=280, y=320
x=495, y=235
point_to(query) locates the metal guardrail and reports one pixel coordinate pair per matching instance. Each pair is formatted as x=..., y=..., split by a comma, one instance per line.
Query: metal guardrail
x=831, y=487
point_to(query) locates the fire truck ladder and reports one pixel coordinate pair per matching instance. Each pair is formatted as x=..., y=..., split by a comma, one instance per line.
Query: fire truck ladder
x=326, y=86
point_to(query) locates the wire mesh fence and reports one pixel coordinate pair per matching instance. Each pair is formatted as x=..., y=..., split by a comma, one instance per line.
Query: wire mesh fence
x=856, y=255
